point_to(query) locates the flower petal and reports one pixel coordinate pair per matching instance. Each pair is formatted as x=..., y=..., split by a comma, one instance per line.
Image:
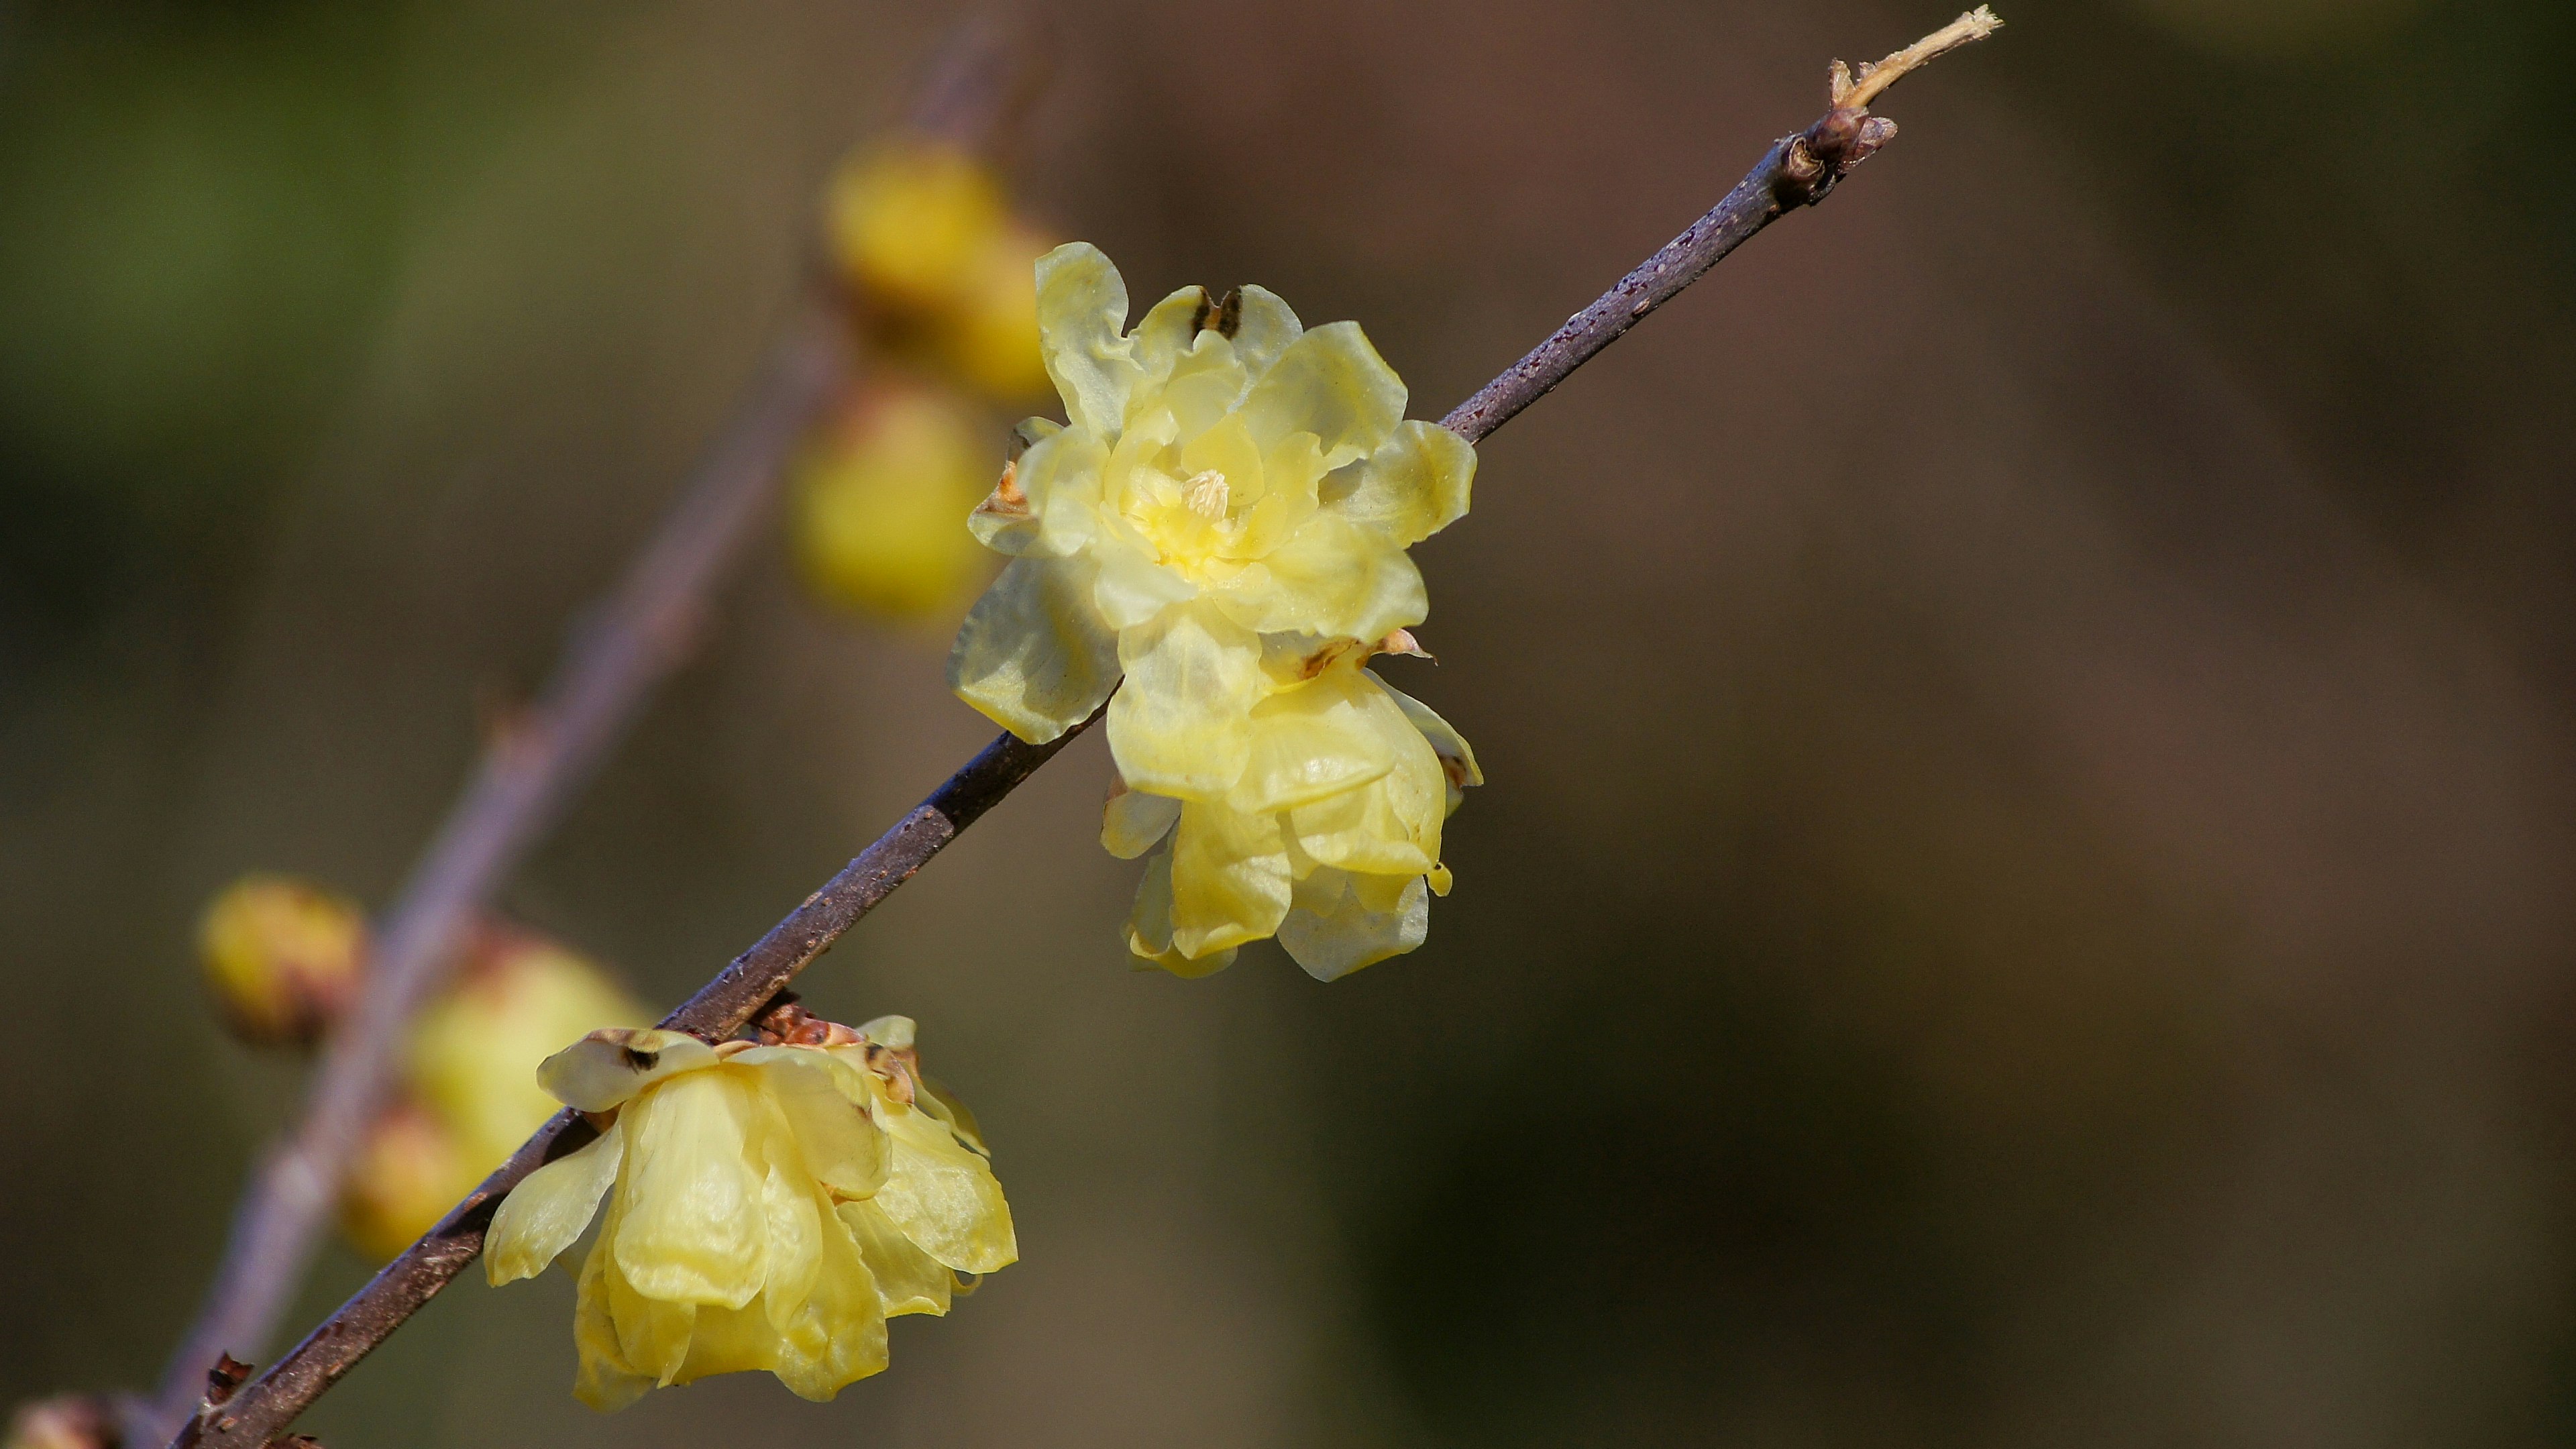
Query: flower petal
x=605, y=1381
x=1457, y=759
x=1388, y=827
x=1149, y=926
x=1166, y=331
x=1409, y=489
x=1082, y=309
x=1054, y=488
x=1332, y=578
x=840, y=1147
x=1332, y=932
x=943, y=1196
x=610, y=1065
x=838, y=1336
x=1264, y=327
x=692, y=1228
x=1180, y=726
x=908, y=1279
x=1316, y=739
x=1032, y=654
x=1329, y=382
x=1135, y=822
x=548, y=1209
x=1229, y=879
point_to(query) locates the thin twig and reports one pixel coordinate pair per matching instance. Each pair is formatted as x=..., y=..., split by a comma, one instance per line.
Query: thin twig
x=973, y=90
x=1798, y=171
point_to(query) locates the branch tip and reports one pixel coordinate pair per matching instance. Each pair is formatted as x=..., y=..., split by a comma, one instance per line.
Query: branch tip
x=1847, y=87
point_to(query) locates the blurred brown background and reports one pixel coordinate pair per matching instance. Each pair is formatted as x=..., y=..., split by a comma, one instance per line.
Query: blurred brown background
x=2024, y=892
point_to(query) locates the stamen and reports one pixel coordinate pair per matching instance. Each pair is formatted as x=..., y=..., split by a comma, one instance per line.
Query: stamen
x=1205, y=494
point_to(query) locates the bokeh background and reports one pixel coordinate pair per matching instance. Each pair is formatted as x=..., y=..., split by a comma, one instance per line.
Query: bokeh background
x=2025, y=891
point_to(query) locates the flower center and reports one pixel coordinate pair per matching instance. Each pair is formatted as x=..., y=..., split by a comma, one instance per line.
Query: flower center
x=1205, y=495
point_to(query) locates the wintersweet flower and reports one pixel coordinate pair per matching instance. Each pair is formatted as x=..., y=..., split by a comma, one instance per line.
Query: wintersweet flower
x=878, y=493
x=765, y=1207
x=1225, y=514
x=284, y=957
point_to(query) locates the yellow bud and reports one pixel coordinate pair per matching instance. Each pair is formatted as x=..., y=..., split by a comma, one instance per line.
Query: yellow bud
x=882, y=496
x=911, y=220
x=990, y=338
x=283, y=957
x=474, y=1052
x=408, y=1173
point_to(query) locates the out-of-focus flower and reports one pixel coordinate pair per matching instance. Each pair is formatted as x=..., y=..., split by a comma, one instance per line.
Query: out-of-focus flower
x=72, y=1421
x=767, y=1206
x=938, y=265
x=469, y=1082
x=284, y=957
x=1223, y=523
x=408, y=1173
x=879, y=493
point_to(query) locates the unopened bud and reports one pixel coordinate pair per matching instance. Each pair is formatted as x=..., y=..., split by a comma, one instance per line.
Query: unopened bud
x=882, y=498
x=284, y=958
x=910, y=220
x=474, y=1052
x=408, y=1173
x=72, y=1421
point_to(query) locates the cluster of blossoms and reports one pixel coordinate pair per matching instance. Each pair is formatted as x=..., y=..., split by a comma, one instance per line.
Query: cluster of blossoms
x=769, y=1204
x=1222, y=525
x=934, y=267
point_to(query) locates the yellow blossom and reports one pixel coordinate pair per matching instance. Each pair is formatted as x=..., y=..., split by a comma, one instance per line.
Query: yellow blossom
x=283, y=957
x=408, y=1173
x=767, y=1206
x=1222, y=524
x=937, y=264
x=878, y=494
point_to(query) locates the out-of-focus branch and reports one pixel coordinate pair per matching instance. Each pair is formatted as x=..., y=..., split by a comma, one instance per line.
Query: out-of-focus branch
x=972, y=92
x=1798, y=171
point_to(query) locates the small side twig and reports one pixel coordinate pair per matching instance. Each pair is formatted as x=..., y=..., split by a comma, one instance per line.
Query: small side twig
x=1777, y=184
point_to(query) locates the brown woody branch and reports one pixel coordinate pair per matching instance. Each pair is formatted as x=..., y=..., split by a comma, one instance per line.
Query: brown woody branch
x=1798, y=171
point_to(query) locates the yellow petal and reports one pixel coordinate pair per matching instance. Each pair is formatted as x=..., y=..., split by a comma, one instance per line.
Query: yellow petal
x=1165, y=332
x=1329, y=382
x=1264, y=328
x=1410, y=489
x=1057, y=483
x=1229, y=879
x=1149, y=926
x=1333, y=578
x=1032, y=654
x=1132, y=586
x=1319, y=738
x=943, y=1196
x=840, y=1147
x=908, y=1279
x=1457, y=759
x=605, y=1381
x=652, y=1334
x=1388, y=827
x=1082, y=307
x=797, y=1217
x=692, y=1229
x=838, y=1335
x=1135, y=822
x=1332, y=931
x=549, y=1208
x=1180, y=726
x=608, y=1066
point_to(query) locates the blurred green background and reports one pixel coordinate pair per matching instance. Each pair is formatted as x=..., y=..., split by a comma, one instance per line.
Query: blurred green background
x=2024, y=895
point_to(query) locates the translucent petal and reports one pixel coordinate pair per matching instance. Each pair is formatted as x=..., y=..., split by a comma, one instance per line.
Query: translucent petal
x=1329, y=382
x=1226, y=449
x=797, y=1218
x=1333, y=578
x=943, y=1196
x=605, y=1381
x=939, y=1102
x=838, y=1335
x=1410, y=489
x=608, y=1066
x=1181, y=726
x=1229, y=879
x=1058, y=486
x=692, y=1229
x=1205, y=386
x=1263, y=331
x=1149, y=926
x=1032, y=654
x=1166, y=331
x=1135, y=822
x=1332, y=932
x=1319, y=738
x=1131, y=588
x=1389, y=827
x=908, y=1279
x=840, y=1146
x=1457, y=758
x=653, y=1334
x=1082, y=308
x=549, y=1208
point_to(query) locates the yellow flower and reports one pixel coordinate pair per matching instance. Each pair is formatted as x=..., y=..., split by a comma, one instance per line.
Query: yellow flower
x=1330, y=839
x=938, y=266
x=283, y=957
x=878, y=495
x=767, y=1207
x=1224, y=516
x=469, y=1082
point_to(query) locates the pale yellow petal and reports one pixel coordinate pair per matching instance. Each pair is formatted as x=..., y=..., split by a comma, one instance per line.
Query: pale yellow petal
x=1410, y=489
x=1332, y=578
x=841, y=1148
x=1329, y=382
x=1316, y=739
x=908, y=1279
x=605, y=1380
x=838, y=1336
x=1082, y=310
x=1135, y=822
x=1032, y=654
x=653, y=1334
x=797, y=1219
x=1457, y=758
x=1149, y=926
x=1132, y=587
x=1180, y=726
x=549, y=1208
x=1166, y=331
x=692, y=1228
x=1263, y=329
x=608, y=1066
x=943, y=1196
x=1331, y=931
x=1053, y=495
x=1229, y=879
x=1388, y=827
